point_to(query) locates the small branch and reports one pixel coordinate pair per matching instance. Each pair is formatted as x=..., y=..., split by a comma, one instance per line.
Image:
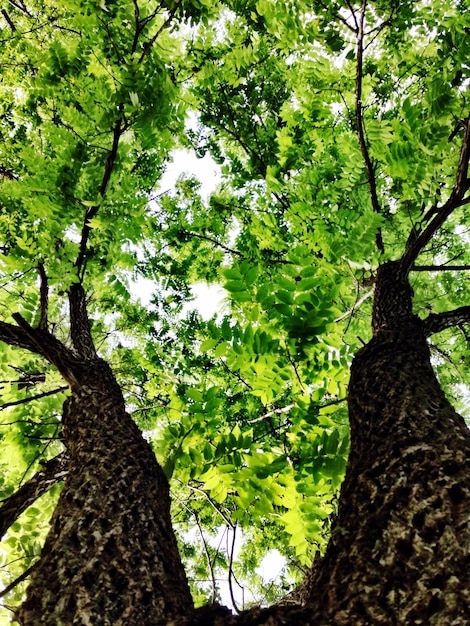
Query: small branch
x=332, y=403
x=44, y=297
x=355, y=306
x=296, y=371
x=340, y=18
x=417, y=241
x=166, y=24
x=9, y=20
x=6, y=405
x=216, y=243
x=230, y=569
x=284, y=409
x=360, y=125
x=210, y=564
x=436, y=322
x=213, y=504
x=108, y=170
x=18, y=580
x=236, y=374
x=50, y=474
x=439, y=268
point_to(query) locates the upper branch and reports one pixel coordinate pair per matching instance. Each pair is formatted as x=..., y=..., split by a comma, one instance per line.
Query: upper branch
x=416, y=242
x=80, y=331
x=44, y=343
x=109, y=166
x=360, y=123
x=51, y=473
x=44, y=297
x=436, y=322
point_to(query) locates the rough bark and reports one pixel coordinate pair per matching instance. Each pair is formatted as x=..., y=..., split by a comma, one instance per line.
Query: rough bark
x=110, y=557
x=400, y=549
x=400, y=546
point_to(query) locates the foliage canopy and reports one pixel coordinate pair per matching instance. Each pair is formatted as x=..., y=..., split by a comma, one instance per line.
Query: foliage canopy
x=337, y=127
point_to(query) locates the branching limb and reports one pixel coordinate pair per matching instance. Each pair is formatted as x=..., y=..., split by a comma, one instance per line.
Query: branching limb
x=51, y=473
x=417, y=241
x=43, y=343
x=15, y=336
x=436, y=322
x=360, y=123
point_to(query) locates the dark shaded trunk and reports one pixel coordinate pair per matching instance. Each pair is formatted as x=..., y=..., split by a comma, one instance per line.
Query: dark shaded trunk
x=400, y=549
x=111, y=556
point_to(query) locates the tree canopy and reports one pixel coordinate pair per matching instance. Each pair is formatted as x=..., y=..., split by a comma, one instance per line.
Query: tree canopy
x=341, y=129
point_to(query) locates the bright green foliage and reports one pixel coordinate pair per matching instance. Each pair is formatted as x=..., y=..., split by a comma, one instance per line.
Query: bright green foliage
x=246, y=411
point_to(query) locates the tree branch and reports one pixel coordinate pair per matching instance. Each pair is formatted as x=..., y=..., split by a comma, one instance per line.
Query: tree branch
x=91, y=213
x=439, y=268
x=38, y=396
x=355, y=306
x=360, y=124
x=43, y=343
x=51, y=473
x=417, y=241
x=9, y=20
x=18, y=580
x=80, y=331
x=436, y=322
x=16, y=336
x=44, y=297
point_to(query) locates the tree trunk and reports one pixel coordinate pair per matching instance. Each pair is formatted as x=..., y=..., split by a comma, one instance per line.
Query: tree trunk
x=400, y=548
x=111, y=556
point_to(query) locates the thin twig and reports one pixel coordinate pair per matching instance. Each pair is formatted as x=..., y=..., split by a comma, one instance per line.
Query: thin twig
x=439, y=268
x=213, y=504
x=360, y=125
x=284, y=409
x=6, y=405
x=355, y=306
x=230, y=570
x=18, y=580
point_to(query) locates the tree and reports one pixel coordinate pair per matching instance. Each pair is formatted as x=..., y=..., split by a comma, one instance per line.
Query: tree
x=344, y=138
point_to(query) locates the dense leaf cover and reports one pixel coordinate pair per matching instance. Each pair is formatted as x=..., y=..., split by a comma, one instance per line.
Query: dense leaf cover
x=338, y=128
